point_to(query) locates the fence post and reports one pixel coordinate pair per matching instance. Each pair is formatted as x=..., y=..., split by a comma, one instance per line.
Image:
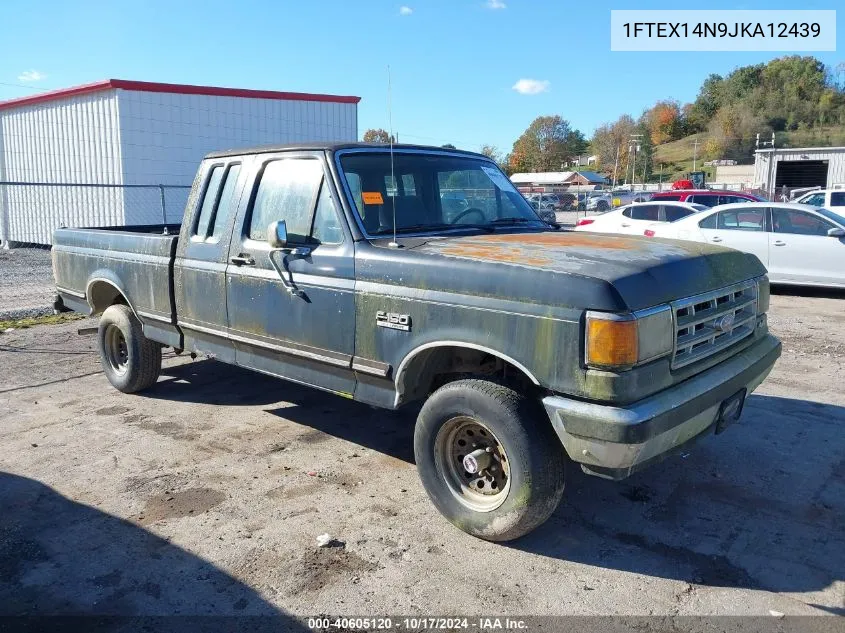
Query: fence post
x=163, y=205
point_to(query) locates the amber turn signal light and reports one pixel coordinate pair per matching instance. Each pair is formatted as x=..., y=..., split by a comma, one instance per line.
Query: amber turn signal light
x=611, y=343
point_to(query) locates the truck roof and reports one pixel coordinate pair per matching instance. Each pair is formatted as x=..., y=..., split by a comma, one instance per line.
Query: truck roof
x=331, y=147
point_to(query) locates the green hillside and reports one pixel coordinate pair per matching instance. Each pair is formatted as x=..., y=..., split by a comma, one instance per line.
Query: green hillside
x=676, y=157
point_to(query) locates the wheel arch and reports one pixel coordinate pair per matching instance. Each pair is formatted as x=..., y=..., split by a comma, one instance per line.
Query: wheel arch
x=103, y=291
x=430, y=360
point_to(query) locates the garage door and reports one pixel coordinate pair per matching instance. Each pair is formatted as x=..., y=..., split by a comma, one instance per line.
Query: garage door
x=801, y=173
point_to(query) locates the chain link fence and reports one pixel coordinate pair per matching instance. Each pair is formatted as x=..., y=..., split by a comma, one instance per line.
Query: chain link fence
x=30, y=212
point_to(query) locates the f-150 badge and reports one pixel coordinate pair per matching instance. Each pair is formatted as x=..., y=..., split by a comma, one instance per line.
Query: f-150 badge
x=393, y=321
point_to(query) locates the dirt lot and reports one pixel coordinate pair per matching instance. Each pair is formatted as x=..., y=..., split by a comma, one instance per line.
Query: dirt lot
x=207, y=494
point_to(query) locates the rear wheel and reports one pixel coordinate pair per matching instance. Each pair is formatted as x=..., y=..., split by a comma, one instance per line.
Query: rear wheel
x=129, y=359
x=488, y=459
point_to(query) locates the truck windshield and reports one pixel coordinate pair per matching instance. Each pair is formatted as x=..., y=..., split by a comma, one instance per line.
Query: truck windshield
x=432, y=192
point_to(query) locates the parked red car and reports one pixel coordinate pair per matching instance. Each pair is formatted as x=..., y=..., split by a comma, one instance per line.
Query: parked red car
x=707, y=197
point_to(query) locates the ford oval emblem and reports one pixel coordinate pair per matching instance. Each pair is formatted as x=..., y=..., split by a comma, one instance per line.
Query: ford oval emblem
x=725, y=323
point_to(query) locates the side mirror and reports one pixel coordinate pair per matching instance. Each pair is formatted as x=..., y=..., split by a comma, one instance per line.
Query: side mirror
x=836, y=232
x=277, y=234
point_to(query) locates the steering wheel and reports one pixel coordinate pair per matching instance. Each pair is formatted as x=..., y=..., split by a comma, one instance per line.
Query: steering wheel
x=467, y=212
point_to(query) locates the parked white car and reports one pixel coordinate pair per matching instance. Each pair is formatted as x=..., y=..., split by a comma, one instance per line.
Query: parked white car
x=833, y=199
x=633, y=219
x=798, y=243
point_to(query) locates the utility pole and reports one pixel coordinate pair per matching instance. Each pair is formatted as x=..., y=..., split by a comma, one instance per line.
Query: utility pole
x=770, y=171
x=695, y=145
x=615, y=166
x=660, y=186
x=634, y=148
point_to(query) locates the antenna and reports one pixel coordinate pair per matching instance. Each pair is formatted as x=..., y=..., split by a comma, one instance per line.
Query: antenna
x=393, y=244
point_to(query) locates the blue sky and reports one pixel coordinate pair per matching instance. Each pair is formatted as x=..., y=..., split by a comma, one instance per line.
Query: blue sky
x=454, y=62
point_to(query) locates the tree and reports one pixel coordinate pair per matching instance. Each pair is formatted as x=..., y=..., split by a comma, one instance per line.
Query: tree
x=705, y=105
x=546, y=145
x=491, y=152
x=610, y=138
x=663, y=121
x=377, y=136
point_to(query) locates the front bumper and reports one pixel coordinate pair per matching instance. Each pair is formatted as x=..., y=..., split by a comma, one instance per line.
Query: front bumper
x=613, y=442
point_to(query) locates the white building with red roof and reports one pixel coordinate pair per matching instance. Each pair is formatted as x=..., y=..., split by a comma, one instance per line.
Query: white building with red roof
x=118, y=132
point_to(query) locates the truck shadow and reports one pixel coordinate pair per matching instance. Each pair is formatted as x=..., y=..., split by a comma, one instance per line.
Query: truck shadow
x=759, y=507
x=59, y=557
x=210, y=382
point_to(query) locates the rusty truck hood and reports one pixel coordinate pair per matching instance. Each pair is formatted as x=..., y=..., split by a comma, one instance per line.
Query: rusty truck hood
x=644, y=271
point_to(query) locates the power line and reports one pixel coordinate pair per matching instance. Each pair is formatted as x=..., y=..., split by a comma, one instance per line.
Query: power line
x=2, y=83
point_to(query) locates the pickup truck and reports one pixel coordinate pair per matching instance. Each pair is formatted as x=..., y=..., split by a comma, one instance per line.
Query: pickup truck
x=526, y=347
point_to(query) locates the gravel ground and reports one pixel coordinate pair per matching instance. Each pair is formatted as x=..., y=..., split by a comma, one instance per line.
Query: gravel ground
x=207, y=494
x=26, y=283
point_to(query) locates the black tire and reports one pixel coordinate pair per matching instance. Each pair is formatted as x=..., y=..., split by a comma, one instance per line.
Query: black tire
x=533, y=452
x=130, y=360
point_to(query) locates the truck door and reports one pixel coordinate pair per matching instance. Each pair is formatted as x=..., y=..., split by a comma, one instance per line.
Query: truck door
x=299, y=325
x=202, y=258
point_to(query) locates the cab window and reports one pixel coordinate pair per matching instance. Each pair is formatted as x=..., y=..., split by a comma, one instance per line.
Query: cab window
x=287, y=191
x=209, y=200
x=837, y=199
x=226, y=203
x=326, y=229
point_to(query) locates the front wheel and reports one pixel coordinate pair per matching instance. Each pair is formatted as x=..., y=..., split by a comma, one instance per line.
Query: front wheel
x=488, y=459
x=130, y=360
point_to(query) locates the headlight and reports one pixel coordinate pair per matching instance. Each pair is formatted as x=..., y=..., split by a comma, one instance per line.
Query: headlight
x=620, y=341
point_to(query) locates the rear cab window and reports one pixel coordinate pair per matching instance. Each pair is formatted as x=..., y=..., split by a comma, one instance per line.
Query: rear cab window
x=837, y=198
x=218, y=202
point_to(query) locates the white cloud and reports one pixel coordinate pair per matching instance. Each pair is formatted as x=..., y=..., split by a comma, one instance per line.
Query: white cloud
x=403, y=10
x=31, y=75
x=496, y=4
x=531, y=86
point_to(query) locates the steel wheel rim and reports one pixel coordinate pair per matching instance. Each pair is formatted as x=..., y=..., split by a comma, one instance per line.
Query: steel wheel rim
x=117, y=352
x=483, y=491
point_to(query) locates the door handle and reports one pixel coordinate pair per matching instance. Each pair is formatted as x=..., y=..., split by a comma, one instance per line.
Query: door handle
x=243, y=260
x=623, y=224
x=717, y=239
x=780, y=243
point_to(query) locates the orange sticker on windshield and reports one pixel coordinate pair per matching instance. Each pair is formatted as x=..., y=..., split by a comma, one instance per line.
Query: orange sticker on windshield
x=372, y=197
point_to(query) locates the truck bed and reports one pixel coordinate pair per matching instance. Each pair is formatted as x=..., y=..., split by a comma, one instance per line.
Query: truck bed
x=136, y=261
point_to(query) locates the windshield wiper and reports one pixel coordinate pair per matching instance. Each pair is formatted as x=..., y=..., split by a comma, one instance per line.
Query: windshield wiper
x=438, y=227
x=515, y=220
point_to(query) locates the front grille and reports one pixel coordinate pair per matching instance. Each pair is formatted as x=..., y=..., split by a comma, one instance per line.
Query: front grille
x=708, y=323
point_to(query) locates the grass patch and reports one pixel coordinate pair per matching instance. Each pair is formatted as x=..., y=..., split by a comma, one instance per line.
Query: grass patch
x=48, y=319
